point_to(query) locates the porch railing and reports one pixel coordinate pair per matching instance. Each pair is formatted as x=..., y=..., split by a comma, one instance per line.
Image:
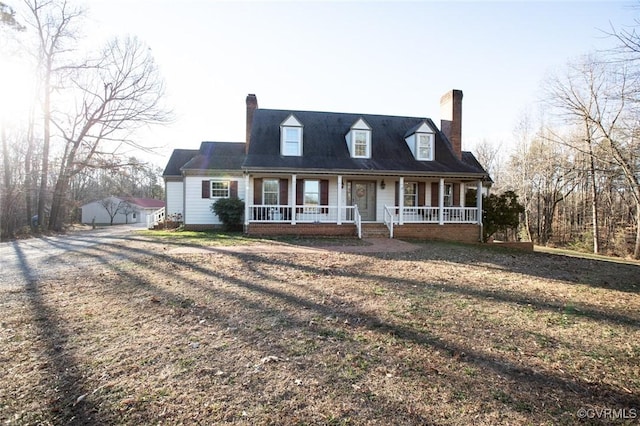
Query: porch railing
x=388, y=219
x=395, y=215
x=303, y=214
x=155, y=218
x=358, y=221
x=392, y=215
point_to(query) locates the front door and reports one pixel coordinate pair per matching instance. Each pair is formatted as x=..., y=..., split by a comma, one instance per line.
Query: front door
x=363, y=195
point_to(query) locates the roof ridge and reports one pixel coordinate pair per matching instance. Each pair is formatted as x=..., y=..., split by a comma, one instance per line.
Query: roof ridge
x=344, y=113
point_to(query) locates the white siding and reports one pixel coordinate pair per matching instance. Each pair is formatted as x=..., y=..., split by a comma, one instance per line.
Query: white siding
x=291, y=121
x=386, y=196
x=411, y=143
x=142, y=214
x=175, y=198
x=94, y=212
x=198, y=209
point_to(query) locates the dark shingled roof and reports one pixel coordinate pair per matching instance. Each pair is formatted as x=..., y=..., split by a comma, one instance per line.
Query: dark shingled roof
x=471, y=159
x=179, y=157
x=325, y=147
x=217, y=156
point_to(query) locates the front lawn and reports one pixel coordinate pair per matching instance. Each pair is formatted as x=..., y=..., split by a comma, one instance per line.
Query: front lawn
x=447, y=334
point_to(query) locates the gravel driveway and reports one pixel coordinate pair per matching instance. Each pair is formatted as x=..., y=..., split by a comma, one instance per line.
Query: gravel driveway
x=25, y=261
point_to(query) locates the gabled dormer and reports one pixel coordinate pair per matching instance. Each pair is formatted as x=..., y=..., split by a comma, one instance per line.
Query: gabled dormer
x=359, y=139
x=421, y=142
x=291, y=137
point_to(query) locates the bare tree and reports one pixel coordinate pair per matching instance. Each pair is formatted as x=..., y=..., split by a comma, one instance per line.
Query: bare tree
x=112, y=206
x=119, y=92
x=575, y=96
x=54, y=22
x=488, y=154
x=598, y=95
x=127, y=209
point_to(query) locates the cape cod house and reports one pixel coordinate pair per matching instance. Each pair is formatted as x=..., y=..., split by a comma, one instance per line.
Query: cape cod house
x=320, y=173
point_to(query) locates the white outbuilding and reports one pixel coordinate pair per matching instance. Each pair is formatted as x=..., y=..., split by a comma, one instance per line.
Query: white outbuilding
x=121, y=210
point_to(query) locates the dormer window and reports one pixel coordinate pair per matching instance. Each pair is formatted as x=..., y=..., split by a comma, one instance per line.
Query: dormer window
x=291, y=137
x=421, y=142
x=359, y=140
x=424, y=146
x=361, y=143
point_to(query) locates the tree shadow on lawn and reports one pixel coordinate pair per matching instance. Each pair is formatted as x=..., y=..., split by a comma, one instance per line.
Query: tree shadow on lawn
x=68, y=403
x=521, y=375
x=129, y=281
x=610, y=275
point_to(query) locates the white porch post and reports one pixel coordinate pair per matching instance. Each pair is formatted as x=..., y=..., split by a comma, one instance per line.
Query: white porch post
x=479, y=201
x=339, y=203
x=247, y=197
x=462, y=192
x=441, y=202
x=292, y=199
x=401, y=201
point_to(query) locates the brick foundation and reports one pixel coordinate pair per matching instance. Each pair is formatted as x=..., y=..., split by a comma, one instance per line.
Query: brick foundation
x=459, y=232
x=306, y=229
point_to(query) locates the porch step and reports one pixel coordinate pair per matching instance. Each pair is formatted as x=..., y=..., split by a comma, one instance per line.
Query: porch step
x=375, y=230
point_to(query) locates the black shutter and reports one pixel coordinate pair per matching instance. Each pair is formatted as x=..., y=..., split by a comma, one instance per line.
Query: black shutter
x=324, y=195
x=299, y=192
x=284, y=192
x=324, y=192
x=422, y=189
x=257, y=191
x=206, y=189
x=435, y=186
x=456, y=194
x=233, y=189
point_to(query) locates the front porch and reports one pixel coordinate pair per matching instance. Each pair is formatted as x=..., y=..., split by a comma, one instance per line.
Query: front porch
x=406, y=222
x=339, y=205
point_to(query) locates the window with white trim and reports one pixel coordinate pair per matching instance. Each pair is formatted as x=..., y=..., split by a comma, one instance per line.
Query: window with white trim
x=311, y=192
x=361, y=143
x=220, y=189
x=291, y=141
x=311, y=198
x=271, y=192
x=424, y=146
x=359, y=139
x=410, y=194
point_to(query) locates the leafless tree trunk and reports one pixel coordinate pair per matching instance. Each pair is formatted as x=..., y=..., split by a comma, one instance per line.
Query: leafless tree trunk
x=6, y=191
x=53, y=22
x=28, y=162
x=595, y=223
x=112, y=207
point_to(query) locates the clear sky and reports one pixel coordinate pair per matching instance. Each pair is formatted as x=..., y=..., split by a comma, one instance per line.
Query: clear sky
x=394, y=58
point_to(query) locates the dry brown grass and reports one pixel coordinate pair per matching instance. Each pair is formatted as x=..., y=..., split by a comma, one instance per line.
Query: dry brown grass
x=448, y=334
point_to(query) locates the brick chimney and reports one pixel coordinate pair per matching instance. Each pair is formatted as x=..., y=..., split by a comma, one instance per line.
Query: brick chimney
x=252, y=105
x=451, y=119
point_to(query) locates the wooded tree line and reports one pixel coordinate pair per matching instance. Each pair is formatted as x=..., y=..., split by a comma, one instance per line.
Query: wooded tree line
x=576, y=168
x=87, y=105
